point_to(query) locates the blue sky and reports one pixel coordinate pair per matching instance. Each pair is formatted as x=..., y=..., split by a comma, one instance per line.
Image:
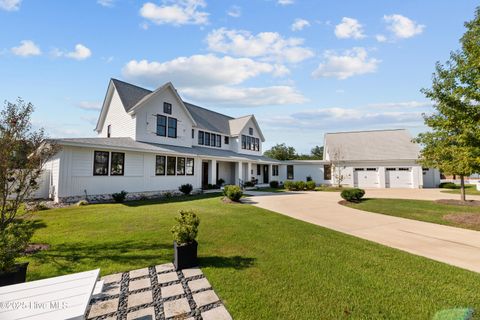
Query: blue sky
x=302, y=67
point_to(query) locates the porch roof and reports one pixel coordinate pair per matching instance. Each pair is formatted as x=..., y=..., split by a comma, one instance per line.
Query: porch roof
x=130, y=144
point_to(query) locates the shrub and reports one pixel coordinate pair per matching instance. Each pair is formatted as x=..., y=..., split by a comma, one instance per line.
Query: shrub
x=448, y=185
x=211, y=186
x=14, y=240
x=353, y=195
x=186, y=189
x=220, y=182
x=309, y=178
x=119, y=196
x=274, y=184
x=167, y=195
x=311, y=185
x=40, y=206
x=300, y=185
x=186, y=229
x=248, y=184
x=82, y=203
x=232, y=192
x=289, y=185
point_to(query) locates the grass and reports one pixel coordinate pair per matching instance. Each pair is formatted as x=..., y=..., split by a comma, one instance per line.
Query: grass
x=447, y=214
x=470, y=189
x=331, y=188
x=269, y=189
x=262, y=264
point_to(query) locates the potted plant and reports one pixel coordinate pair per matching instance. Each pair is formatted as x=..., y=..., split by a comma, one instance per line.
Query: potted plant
x=184, y=243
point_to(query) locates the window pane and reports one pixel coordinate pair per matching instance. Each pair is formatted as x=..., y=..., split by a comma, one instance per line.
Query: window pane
x=160, y=166
x=117, y=165
x=227, y=140
x=161, y=125
x=167, y=108
x=327, y=172
x=172, y=127
x=171, y=161
x=200, y=137
x=213, y=140
x=250, y=131
x=258, y=170
x=190, y=164
x=180, y=166
x=207, y=138
x=100, y=163
x=219, y=141
x=244, y=142
x=289, y=172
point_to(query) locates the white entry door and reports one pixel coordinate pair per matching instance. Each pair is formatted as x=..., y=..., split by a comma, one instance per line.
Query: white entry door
x=365, y=177
x=398, y=177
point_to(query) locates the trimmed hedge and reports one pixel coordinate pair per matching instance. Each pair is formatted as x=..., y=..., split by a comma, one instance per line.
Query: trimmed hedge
x=299, y=185
x=353, y=195
x=233, y=192
x=274, y=184
x=448, y=185
x=310, y=185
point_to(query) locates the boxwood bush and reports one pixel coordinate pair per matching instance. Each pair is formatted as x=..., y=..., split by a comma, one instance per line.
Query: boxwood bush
x=299, y=185
x=310, y=185
x=448, y=185
x=120, y=196
x=274, y=184
x=353, y=195
x=186, y=189
x=232, y=192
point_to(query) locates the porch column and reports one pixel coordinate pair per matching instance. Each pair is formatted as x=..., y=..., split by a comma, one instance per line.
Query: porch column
x=249, y=171
x=213, y=172
x=239, y=173
x=270, y=173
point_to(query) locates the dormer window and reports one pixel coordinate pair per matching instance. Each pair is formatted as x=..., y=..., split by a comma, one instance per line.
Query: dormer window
x=167, y=108
x=250, y=131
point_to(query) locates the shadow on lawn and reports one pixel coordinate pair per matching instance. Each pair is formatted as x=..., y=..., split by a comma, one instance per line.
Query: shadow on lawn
x=235, y=262
x=138, y=203
x=72, y=257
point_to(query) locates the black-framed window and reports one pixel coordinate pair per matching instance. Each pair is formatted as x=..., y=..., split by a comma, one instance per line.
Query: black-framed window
x=109, y=131
x=167, y=108
x=219, y=141
x=327, y=172
x=117, y=164
x=180, y=166
x=213, y=140
x=172, y=127
x=226, y=140
x=207, y=139
x=290, y=174
x=161, y=125
x=100, y=163
x=201, y=135
x=190, y=167
x=259, y=170
x=258, y=144
x=171, y=163
x=193, y=133
x=250, y=131
x=160, y=165
x=274, y=170
x=249, y=143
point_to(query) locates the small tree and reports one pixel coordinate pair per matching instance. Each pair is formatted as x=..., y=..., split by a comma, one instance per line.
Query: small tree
x=23, y=153
x=453, y=144
x=337, y=161
x=281, y=152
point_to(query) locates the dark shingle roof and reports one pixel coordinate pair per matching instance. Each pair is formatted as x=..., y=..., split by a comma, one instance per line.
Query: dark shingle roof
x=205, y=119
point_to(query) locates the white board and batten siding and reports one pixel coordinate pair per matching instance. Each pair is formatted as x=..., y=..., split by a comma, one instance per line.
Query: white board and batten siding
x=122, y=124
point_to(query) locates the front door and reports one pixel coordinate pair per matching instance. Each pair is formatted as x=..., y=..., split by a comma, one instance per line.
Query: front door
x=204, y=174
x=265, y=173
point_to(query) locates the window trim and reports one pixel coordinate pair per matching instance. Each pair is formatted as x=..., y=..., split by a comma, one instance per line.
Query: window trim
x=186, y=166
x=201, y=137
x=207, y=134
x=95, y=162
x=174, y=166
x=164, y=165
x=180, y=168
x=275, y=170
x=169, y=127
x=159, y=133
x=167, y=108
x=123, y=164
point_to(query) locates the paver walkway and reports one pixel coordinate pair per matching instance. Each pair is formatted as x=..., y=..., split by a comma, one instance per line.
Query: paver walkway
x=156, y=293
x=456, y=246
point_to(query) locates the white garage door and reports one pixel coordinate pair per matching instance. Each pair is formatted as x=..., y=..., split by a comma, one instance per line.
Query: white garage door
x=398, y=177
x=365, y=177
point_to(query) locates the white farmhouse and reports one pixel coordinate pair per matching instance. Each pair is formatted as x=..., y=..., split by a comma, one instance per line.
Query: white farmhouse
x=151, y=142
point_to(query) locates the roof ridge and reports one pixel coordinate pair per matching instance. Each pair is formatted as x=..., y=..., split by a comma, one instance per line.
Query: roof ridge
x=361, y=131
x=130, y=84
x=247, y=116
x=222, y=114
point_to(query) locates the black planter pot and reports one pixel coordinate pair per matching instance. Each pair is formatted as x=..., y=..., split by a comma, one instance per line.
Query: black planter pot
x=17, y=275
x=185, y=255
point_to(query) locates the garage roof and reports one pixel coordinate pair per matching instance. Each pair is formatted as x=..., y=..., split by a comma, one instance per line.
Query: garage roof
x=372, y=145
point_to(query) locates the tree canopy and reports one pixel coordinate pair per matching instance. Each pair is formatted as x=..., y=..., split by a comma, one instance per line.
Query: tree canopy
x=281, y=151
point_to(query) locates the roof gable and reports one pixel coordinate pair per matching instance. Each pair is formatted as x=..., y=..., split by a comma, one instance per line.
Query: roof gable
x=373, y=145
x=238, y=124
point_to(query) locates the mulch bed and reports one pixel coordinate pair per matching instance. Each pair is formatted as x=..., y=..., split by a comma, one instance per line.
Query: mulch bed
x=36, y=247
x=466, y=219
x=469, y=203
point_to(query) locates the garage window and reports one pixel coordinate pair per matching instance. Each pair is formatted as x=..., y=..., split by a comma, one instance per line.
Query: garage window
x=403, y=169
x=391, y=169
x=359, y=169
x=371, y=169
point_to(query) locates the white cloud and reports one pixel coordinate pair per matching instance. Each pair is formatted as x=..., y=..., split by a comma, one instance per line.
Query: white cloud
x=285, y=2
x=89, y=105
x=234, y=11
x=299, y=24
x=199, y=71
x=80, y=53
x=265, y=45
x=238, y=97
x=106, y=3
x=349, y=28
x=403, y=27
x=401, y=105
x=177, y=12
x=381, y=38
x=10, y=5
x=350, y=63
x=26, y=48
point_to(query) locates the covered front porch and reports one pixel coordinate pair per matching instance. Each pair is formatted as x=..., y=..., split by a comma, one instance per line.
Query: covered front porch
x=220, y=172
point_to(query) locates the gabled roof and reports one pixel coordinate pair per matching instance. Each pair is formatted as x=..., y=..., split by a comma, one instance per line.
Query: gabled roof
x=129, y=93
x=238, y=124
x=209, y=120
x=373, y=145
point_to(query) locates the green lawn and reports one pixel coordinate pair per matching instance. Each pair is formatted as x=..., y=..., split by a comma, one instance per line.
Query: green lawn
x=469, y=189
x=262, y=264
x=268, y=189
x=331, y=188
x=423, y=210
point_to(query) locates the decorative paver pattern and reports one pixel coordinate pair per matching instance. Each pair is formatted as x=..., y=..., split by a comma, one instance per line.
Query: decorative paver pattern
x=157, y=293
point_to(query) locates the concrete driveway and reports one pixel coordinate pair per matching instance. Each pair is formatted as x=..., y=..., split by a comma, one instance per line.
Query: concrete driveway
x=455, y=246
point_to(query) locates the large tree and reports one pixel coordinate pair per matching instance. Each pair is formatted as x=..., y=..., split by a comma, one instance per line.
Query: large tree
x=281, y=152
x=453, y=143
x=317, y=152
